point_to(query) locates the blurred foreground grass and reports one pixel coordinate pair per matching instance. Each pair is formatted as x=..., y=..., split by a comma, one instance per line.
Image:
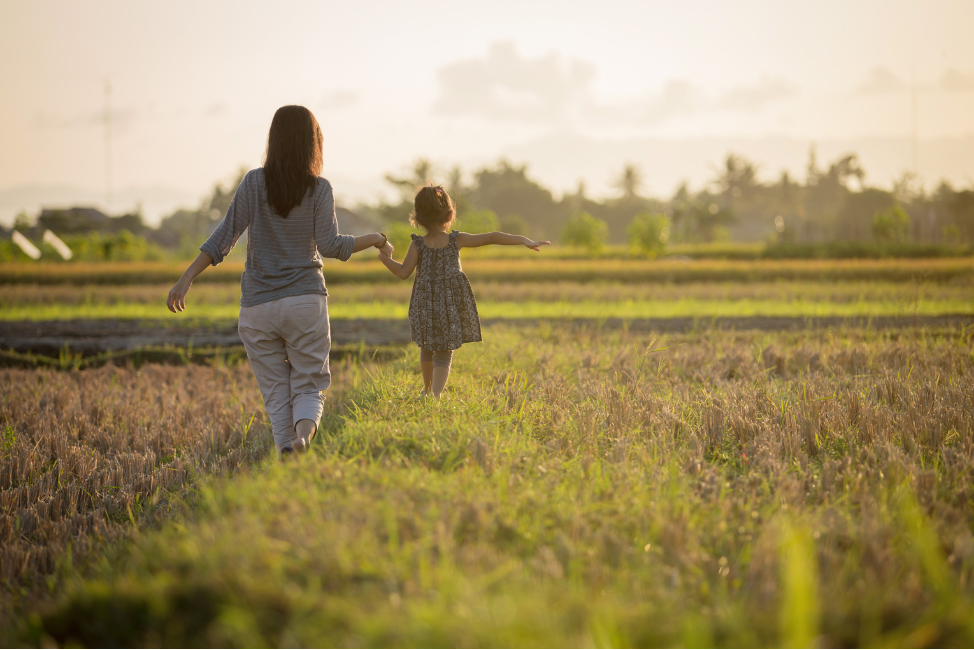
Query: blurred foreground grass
x=584, y=488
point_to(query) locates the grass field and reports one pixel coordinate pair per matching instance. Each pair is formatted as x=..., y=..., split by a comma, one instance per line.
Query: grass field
x=528, y=267
x=589, y=309
x=573, y=488
x=534, y=299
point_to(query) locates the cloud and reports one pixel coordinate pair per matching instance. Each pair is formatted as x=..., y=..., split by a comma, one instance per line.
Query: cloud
x=956, y=81
x=337, y=99
x=677, y=98
x=755, y=97
x=506, y=86
x=216, y=109
x=881, y=80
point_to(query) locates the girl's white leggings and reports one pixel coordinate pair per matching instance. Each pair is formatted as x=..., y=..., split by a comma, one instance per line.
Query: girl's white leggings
x=288, y=342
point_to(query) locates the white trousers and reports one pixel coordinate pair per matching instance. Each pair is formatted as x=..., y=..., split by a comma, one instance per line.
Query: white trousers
x=288, y=342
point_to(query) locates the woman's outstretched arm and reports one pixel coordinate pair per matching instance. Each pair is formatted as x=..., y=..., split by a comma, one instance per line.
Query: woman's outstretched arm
x=466, y=240
x=404, y=270
x=177, y=295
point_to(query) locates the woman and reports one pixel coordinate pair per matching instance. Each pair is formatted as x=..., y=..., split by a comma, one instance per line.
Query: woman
x=290, y=212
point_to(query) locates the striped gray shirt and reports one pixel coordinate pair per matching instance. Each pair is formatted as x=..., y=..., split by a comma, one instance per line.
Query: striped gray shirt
x=284, y=256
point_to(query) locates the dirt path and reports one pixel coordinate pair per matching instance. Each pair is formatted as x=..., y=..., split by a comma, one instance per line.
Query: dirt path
x=89, y=337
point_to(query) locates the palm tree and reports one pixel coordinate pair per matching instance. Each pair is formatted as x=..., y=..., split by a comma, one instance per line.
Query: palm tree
x=422, y=172
x=630, y=181
x=737, y=180
x=454, y=181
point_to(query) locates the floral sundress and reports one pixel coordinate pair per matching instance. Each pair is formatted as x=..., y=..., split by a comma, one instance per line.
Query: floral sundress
x=442, y=310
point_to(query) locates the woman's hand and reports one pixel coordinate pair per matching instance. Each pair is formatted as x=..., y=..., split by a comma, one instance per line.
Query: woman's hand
x=387, y=249
x=177, y=295
x=535, y=245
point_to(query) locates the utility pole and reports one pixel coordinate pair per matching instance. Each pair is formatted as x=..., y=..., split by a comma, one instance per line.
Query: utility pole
x=108, y=141
x=915, y=127
x=914, y=101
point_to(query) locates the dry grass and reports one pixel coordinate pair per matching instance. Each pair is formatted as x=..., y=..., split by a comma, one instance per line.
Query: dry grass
x=86, y=454
x=591, y=488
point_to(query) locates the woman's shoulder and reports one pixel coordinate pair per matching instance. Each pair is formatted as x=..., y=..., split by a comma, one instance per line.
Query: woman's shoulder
x=323, y=186
x=417, y=238
x=252, y=181
x=253, y=176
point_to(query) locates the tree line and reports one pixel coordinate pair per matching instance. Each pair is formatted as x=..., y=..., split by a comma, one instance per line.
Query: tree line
x=831, y=204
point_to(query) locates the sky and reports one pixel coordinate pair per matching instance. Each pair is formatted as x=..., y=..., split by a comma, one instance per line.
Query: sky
x=572, y=89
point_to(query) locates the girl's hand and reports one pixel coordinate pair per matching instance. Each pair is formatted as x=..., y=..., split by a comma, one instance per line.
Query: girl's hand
x=387, y=249
x=177, y=296
x=536, y=245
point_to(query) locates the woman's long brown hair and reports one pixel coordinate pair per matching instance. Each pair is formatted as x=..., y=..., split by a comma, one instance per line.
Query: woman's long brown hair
x=293, y=159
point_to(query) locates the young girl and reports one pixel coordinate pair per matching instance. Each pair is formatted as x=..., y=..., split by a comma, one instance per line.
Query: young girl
x=442, y=310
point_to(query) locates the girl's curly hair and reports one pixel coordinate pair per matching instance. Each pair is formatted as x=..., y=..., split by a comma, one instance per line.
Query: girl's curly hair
x=432, y=207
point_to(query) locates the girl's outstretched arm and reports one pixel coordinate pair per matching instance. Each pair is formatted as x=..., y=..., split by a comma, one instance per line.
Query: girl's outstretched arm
x=404, y=270
x=466, y=240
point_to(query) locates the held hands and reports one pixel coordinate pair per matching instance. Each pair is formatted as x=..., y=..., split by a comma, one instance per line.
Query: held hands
x=535, y=245
x=384, y=246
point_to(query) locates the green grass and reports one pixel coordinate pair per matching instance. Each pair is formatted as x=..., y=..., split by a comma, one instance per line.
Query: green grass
x=528, y=266
x=695, y=308
x=580, y=489
x=552, y=299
